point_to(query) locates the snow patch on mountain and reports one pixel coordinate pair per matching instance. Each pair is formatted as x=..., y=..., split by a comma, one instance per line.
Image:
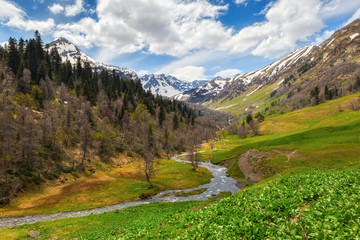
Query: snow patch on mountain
x=255, y=90
x=354, y=36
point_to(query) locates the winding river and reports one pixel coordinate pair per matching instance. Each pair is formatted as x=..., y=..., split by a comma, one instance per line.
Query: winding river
x=219, y=183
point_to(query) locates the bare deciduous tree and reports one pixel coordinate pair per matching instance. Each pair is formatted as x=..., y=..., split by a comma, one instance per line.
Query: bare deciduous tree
x=85, y=130
x=194, y=157
x=24, y=81
x=193, y=152
x=211, y=144
x=254, y=127
x=148, y=166
x=242, y=130
x=27, y=142
x=354, y=105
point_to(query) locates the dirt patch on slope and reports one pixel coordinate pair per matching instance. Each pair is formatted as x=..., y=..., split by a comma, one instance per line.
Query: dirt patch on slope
x=247, y=162
x=256, y=164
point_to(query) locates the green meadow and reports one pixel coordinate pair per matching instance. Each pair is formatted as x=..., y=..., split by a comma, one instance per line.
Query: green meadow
x=105, y=188
x=309, y=190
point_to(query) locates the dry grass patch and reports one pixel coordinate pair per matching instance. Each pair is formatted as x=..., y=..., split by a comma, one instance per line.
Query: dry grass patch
x=118, y=185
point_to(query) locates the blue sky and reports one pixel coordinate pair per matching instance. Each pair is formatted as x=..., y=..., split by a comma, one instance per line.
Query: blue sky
x=190, y=39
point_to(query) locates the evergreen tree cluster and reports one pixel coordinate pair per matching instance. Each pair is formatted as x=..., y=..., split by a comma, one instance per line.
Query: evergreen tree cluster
x=58, y=118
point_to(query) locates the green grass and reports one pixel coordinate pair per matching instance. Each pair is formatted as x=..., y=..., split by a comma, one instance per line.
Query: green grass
x=321, y=135
x=106, y=188
x=319, y=204
x=238, y=105
x=129, y=223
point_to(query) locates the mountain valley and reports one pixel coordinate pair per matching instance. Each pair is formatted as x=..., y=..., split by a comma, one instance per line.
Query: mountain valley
x=95, y=151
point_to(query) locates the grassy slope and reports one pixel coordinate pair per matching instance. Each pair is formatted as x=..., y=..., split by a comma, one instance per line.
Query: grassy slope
x=239, y=104
x=105, y=188
x=322, y=136
x=300, y=202
x=320, y=204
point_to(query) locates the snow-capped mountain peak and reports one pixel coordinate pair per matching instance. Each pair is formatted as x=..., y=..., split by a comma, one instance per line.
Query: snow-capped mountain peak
x=167, y=85
x=70, y=52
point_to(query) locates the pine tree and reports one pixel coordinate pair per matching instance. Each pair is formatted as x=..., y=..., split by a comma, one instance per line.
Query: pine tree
x=13, y=56
x=55, y=59
x=31, y=59
x=21, y=48
x=162, y=115
x=39, y=48
x=175, y=122
x=20, y=70
x=249, y=118
x=41, y=72
x=78, y=69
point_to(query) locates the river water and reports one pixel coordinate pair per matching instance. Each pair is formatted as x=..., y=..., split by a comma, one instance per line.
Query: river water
x=219, y=183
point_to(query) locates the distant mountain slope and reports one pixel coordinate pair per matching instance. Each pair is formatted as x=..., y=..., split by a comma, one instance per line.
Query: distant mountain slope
x=168, y=86
x=230, y=87
x=305, y=77
x=68, y=51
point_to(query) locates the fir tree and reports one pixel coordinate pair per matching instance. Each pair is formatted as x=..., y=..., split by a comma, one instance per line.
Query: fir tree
x=13, y=56
x=175, y=122
x=162, y=115
x=31, y=59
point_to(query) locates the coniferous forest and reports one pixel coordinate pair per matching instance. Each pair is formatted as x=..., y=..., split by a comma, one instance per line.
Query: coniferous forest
x=56, y=118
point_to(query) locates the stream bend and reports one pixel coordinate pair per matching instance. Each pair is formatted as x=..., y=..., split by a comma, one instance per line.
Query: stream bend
x=219, y=183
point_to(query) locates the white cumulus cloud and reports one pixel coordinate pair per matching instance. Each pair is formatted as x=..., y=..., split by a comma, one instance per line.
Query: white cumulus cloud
x=169, y=27
x=190, y=73
x=75, y=9
x=287, y=22
x=56, y=8
x=239, y=2
x=13, y=16
x=192, y=32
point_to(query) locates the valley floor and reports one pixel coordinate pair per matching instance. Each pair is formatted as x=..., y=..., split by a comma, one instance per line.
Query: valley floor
x=309, y=166
x=102, y=188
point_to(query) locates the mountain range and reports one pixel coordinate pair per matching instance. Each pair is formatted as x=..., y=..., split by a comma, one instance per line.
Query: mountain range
x=230, y=87
x=273, y=81
x=305, y=77
x=168, y=86
x=161, y=84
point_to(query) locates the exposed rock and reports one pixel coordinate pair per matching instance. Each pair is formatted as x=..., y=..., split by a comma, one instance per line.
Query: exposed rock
x=145, y=196
x=33, y=234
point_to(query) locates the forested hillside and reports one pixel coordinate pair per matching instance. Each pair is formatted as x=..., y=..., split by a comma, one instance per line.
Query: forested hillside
x=58, y=118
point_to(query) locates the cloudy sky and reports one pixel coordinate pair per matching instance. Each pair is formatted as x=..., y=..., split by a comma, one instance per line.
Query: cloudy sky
x=190, y=39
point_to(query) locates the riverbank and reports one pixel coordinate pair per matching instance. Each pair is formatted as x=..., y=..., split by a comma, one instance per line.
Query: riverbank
x=219, y=183
x=116, y=185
